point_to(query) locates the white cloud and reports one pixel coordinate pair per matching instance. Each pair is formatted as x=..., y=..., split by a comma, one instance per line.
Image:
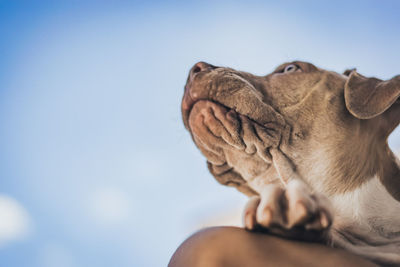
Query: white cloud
x=109, y=206
x=15, y=223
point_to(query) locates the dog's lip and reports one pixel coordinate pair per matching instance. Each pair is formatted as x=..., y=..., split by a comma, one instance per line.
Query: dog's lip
x=189, y=101
x=187, y=108
x=234, y=114
x=187, y=104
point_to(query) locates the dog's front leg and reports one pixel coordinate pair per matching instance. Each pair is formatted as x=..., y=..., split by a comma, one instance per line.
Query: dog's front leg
x=293, y=211
x=290, y=209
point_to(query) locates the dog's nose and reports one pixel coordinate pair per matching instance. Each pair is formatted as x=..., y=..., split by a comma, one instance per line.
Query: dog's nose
x=199, y=67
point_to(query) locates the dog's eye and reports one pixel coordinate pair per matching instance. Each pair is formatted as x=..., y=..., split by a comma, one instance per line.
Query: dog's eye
x=290, y=68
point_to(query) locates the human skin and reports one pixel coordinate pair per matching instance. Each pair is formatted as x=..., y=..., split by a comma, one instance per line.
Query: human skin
x=234, y=247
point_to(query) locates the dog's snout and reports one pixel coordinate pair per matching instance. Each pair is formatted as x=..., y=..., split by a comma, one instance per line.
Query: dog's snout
x=190, y=95
x=199, y=67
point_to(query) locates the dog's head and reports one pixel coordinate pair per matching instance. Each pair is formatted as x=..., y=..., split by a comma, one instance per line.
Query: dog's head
x=332, y=127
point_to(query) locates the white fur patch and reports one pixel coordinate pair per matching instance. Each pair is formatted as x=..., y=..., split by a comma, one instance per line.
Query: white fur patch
x=370, y=207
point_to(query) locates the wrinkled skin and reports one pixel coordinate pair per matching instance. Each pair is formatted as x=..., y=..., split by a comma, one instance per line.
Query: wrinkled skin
x=299, y=123
x=303, y=113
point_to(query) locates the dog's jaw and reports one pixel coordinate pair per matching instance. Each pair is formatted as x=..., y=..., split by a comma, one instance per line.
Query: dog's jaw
x=234, y=137
x=235, y=145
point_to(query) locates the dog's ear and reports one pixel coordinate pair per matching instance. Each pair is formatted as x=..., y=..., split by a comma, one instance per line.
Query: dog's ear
x=367, y=98
x=348, y=72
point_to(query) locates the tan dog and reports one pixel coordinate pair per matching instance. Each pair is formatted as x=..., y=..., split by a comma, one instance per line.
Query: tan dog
x=309, y=145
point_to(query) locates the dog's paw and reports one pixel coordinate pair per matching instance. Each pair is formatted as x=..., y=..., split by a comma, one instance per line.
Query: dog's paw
x=294, y=212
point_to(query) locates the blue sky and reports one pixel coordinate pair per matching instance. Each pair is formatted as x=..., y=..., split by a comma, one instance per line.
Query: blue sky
x=94, y=161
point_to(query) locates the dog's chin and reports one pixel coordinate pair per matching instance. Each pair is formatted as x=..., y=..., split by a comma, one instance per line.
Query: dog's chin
x=231, y=141
x=215, y=129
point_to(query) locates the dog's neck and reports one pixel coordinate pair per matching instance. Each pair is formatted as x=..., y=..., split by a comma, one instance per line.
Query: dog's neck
x=370, y=201
x=368, y=209
x=389, y=174
x=344, y=164
x=358, y=164
x=363, y=184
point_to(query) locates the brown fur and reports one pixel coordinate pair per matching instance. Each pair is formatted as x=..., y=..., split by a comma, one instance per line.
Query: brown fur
x=317, y=118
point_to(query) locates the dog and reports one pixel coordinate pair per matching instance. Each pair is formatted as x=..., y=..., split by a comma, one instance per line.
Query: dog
x=309, y=146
